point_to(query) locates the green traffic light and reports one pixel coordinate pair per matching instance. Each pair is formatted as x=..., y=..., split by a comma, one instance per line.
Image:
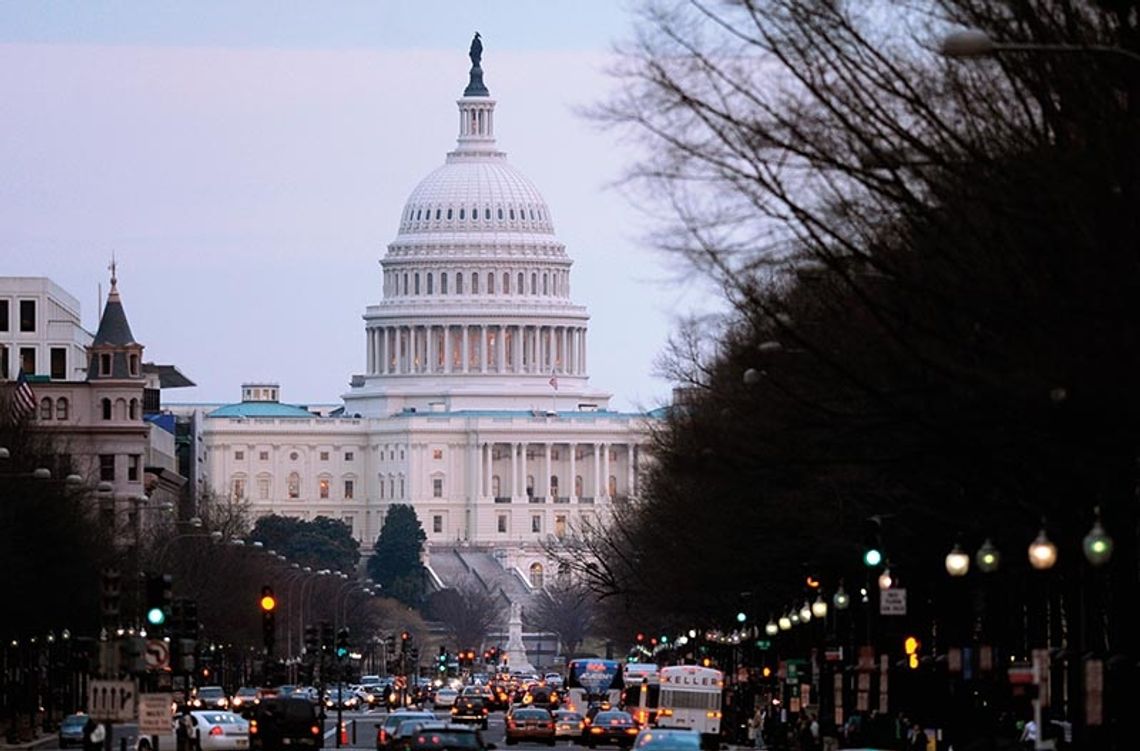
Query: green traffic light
x=155, y=616
x=872, y=557
x=341, y=651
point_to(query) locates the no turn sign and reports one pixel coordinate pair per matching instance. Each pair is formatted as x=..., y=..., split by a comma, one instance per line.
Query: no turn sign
x=157, y=654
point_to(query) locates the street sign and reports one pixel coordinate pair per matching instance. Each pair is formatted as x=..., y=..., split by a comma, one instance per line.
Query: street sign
x=763, y=644
x=892, y=602
x=154, y=714
x=157, y=654
x=111, y=701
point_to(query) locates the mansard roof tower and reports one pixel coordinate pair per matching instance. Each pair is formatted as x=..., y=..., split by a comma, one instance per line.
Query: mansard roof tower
x=476, y=311
x=114, y=355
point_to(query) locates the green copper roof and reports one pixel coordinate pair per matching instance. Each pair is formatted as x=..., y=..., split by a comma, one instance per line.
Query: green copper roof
x=260, y=409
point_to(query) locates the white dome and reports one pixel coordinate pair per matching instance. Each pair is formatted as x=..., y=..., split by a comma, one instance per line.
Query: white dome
x=472, y=193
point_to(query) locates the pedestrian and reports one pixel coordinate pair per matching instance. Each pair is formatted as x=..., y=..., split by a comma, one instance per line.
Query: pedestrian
x=1029, y=735
x=93, y=735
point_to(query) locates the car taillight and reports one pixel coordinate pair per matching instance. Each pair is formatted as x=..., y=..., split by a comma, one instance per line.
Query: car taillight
x=595, y=730
x=484, y=710
x=631, y=731
x=712, y=715
x=216, y=730
x=511, y=724
x=382, y=736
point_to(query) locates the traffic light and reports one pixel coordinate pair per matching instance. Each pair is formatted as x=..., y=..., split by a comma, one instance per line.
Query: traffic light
x=312, y=639
x=390, y=643
x=110, y=592
x=911, y=645
x=132, y=654
x=442, y=659
x=159, y=598
x=640, y=638
x=190, y=625
x=872, y=541
x=327, y=641
x=415, y=656
x=342, y=643
x=268, y=605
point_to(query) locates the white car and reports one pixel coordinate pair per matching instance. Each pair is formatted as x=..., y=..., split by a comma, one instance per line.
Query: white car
x=219, y=731
x=445, y=697
x=553, y=679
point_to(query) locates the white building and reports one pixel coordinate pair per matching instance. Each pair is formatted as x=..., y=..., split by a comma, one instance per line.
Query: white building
x=475, y=406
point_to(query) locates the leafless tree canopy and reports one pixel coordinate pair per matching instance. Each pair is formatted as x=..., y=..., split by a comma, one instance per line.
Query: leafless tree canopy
x=468, y=611
x=568, y=609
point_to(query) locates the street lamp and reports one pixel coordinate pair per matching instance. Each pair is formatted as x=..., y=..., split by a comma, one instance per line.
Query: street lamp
x=785, y=623
x=805, y=612
x=1097, y=544
x=741, y=617
x=957, y=562
x=968, y=43
x=819, y=607
x=988, y=557
x=841, y=599
x=771, y=628
x=1042, y=552
x=885, y=580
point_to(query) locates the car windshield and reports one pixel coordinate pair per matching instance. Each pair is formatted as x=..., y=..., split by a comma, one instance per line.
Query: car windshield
x=532, y=714
x=220, y=718
x=75, y=719
x=246, y=691
x=445, y=739
x=568, y=716
x=210, y=692
x=393, y=720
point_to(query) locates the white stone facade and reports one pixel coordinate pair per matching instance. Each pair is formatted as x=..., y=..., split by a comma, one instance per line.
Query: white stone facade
x=475, y=405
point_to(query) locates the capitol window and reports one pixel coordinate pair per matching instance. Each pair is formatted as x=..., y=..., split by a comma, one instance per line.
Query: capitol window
x=449, y=213
x=417, y=281
x=443, y=283
x=263, y=456
x=323, y=485
x=487, y=213
x=490, y=283
x=324, y=456
x=430, y=286
x=437, y=215
x=502, y=525
x=294, y=485
x=536, y=570
x=349, y=489
x=437, y=487
x=521, y=289
x=239, y=489
x=437, y=524
x=500, y=212
x=462, y=214
x=512, y=213
x=263, y=488
x=545, y=284
x=437, y=453
x=533, y=283
x=506, y=283
x=348, y=456
x=239, y=456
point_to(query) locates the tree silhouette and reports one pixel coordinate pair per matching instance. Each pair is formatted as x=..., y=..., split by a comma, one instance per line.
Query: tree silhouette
x=396, y=560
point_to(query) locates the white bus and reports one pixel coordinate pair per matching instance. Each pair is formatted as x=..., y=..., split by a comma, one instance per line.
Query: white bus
x=642, y=687
x=690, y=697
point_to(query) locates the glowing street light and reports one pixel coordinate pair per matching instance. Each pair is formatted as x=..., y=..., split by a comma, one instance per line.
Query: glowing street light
x=988, y=557
x=957, y=562
x=885, y=580
x=1042, y=552
x=819, y=607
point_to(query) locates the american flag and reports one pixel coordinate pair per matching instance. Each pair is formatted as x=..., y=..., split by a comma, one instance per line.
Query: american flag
x=23, y=399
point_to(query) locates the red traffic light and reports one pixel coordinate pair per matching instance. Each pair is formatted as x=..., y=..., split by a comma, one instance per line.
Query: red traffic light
x=640, y=637
x=404, y=635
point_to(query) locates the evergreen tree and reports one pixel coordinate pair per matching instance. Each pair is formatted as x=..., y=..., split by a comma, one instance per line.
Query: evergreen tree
x=395, y=564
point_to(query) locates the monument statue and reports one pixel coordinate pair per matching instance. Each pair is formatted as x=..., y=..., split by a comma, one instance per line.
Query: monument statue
x=476, y=52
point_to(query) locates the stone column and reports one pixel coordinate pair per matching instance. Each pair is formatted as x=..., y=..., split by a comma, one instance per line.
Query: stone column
x=522, y=469
x=490, y=470
x=597, y=471
x=501, y=349
x=447, y=348
x=477, y=461
x=606, y=467
x=514, y=488
x=546, y=475
x=629, y=447
x=466, y=351
x=572, y=492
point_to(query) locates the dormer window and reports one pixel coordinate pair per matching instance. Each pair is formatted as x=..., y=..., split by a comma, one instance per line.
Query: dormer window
x=134, y=361
x=105, y=364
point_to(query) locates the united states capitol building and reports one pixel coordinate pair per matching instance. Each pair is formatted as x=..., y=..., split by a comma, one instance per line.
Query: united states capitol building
x=475, y=407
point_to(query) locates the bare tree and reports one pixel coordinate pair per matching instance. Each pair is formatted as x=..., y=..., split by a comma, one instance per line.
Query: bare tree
x=468, y=611
x=568, y=609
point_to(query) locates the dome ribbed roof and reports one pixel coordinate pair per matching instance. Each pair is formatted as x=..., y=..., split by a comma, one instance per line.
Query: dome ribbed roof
x=476, y=193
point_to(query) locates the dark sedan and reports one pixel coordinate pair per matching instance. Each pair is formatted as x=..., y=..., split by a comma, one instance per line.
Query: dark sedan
x=71, y=730
x=530, y=724
x=612, y=728
x=471, y=709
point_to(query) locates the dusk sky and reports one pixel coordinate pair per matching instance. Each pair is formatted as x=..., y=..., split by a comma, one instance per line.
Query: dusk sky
x=247, y=164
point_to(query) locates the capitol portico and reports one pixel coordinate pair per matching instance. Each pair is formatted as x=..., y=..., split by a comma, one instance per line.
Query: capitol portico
x=474, y=406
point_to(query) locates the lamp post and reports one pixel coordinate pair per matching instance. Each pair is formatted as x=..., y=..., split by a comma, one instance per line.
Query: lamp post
x=968, y=43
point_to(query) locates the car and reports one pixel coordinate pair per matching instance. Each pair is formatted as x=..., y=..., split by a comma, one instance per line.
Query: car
x=530, y=724
x=245, y=698
x=387, y=729
x=373, y=693
x=667, y=739
x=568, y=724
x=553, y=679
x=445, y=697
x=470, y=708
x=341, y=697
x=286, y=721
x=210, y=697
x=446, y=737
x=218, y=731
x=541, y=696
x=611, y=727
x=71, y=730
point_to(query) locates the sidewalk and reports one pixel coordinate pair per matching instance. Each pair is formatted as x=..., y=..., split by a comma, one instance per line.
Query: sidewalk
x=41, y=740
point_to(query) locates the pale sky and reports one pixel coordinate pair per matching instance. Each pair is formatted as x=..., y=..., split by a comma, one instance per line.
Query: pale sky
x=247, y=163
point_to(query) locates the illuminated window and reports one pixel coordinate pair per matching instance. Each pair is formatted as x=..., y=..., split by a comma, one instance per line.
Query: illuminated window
x=536, y=575
x=349, y=489
x=323, y=485
x=239, y=489
x=294, y=485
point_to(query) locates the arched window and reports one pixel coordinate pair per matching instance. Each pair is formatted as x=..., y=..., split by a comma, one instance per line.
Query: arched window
x=463, y=214
x=506, y=283
x=430, y=286
x=500, y=212
x=536, y=575
x=530, y=486
x=578, y=485
x=437, y=215
x=495, y=485
x=381, y=484
x=474, y=283
x=106, y=404
x=294, y=485
x=61, y=406
x=134, y=409
x=121, y=408
x=459, y=283
x=554, y=486
x=546, y=284
x=519, y=287
x=490, y=283
x=405, y=282
x=449, y=213
x=134, y=364
x=45, y=408
x=487, y=213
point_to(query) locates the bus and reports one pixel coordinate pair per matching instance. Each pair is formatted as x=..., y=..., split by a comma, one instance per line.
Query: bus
x=641, y=692
x=691, y=698
x=592, y=680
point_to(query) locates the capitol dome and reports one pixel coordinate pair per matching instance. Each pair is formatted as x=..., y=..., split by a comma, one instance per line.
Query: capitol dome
x=476, y=309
